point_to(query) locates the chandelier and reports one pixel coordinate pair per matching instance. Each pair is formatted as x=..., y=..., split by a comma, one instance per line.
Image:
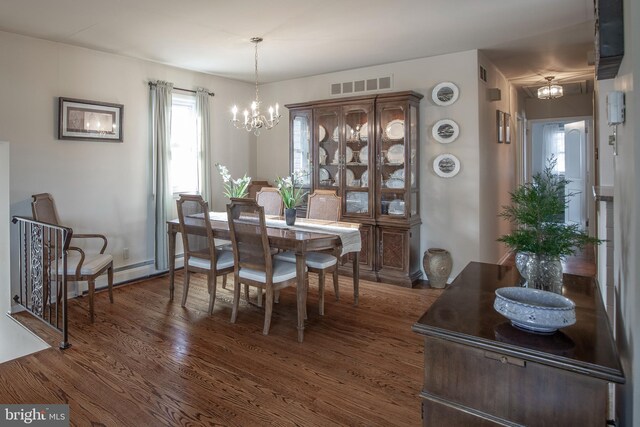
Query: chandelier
x=254, y=121
x=550, y=91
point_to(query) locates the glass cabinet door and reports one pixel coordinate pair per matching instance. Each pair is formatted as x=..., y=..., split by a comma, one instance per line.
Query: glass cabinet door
x=301, y=156
x=397, y=174
x=328, y=148
x=413, y=159
x=356, y=161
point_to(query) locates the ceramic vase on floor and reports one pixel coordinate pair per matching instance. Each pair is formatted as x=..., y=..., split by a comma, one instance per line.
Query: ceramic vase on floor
x=290, y=216
x=437, y=265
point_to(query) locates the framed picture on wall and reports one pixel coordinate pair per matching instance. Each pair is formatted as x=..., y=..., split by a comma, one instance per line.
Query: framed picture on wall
x=507, y=128
x=80, y=119
x=500, y=126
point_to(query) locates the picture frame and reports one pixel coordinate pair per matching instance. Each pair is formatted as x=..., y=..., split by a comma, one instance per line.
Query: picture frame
x=500, y=126
x=507, y=128
x=81, y=119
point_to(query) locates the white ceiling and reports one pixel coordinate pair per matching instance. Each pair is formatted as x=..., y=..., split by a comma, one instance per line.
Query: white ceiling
x=526, y=39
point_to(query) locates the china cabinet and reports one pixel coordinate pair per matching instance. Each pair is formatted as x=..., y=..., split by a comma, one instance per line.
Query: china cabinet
x=366, y=149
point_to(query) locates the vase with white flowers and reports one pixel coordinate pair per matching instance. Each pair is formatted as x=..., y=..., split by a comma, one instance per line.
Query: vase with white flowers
x=234, y=188
x=292, y=193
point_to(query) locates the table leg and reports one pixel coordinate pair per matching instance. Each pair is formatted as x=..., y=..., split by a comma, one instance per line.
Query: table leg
x=356, y=277
x=301, y=294
x=172, y=260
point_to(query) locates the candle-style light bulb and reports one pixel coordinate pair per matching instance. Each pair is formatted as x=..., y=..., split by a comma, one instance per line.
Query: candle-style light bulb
x=277, y=109
x=271, y=112
x=253, y=106
x=246, y=116
x=234, y=110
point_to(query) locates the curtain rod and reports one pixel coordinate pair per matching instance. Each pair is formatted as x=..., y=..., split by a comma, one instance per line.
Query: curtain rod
x=179, y=88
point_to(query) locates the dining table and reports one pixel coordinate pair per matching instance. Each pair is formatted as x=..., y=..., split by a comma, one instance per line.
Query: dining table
x=307, y=235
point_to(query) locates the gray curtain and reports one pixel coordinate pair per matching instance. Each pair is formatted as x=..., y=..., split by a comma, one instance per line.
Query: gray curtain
x=204, y=144
x=160, y=139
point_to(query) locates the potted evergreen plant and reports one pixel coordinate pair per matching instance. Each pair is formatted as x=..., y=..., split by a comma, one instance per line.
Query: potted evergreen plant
x=541, y=238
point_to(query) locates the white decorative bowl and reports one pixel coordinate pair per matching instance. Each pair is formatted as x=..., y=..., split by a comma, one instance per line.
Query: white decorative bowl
x=535, y=310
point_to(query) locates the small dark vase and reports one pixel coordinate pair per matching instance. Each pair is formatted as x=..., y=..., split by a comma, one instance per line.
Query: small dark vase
x=290, y=215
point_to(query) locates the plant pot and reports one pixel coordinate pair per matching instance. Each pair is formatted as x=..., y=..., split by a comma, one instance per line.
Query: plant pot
x=437, y=265
x=290, y=216
x=540, y=271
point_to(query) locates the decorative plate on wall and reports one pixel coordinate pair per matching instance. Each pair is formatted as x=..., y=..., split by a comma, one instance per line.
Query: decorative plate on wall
x=446, y=165
x=445, y=93
x=445, y=131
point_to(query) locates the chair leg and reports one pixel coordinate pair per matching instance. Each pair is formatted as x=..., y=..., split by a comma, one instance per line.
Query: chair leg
x=92, y=289
x=268, y=310
x=259, y=301
x=185, y=291
x=236, y=298
x=224, y=281
x=336, y=285
x=212, y=295
x=246, y=290
x=306, y=294
x=276, y=296
x=321, y=292
x=110, y=280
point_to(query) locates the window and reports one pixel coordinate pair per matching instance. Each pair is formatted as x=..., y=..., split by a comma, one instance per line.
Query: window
x=553, y=134
x=184, y=167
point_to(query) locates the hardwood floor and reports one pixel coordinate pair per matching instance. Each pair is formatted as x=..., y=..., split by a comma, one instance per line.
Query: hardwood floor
x=148, y=361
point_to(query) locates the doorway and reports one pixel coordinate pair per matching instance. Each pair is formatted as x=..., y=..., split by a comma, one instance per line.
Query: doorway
x=569, y=141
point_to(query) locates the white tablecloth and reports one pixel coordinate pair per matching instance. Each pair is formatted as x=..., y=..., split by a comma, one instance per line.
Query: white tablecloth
x=350, y=237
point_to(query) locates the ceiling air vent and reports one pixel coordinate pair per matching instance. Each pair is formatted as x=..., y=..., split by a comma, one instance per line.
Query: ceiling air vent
x=362, y=86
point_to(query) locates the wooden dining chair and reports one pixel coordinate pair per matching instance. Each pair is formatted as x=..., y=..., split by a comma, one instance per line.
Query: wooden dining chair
x=200, y=252
x=255, y=186
x=271, y=200
x=82, y=265
x=253, y=259
x=325, y=205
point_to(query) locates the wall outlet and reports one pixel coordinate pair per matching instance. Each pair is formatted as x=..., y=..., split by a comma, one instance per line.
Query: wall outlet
x=125, y=253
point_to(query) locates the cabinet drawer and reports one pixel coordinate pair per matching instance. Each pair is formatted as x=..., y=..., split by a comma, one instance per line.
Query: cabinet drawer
x=433, y=414
x=509, y=388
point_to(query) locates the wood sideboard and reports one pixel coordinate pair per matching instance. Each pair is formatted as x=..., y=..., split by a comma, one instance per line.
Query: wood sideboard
x=480, y=370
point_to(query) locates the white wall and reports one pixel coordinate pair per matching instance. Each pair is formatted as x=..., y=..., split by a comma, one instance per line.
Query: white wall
x=497, y=162
x=567, y=106
x=98, y=186
x=605, y=151
x=626, y=213
x=5, y=289
x=449, y=208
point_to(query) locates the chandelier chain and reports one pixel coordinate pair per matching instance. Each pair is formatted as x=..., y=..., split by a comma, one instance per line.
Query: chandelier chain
x=256, y=41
